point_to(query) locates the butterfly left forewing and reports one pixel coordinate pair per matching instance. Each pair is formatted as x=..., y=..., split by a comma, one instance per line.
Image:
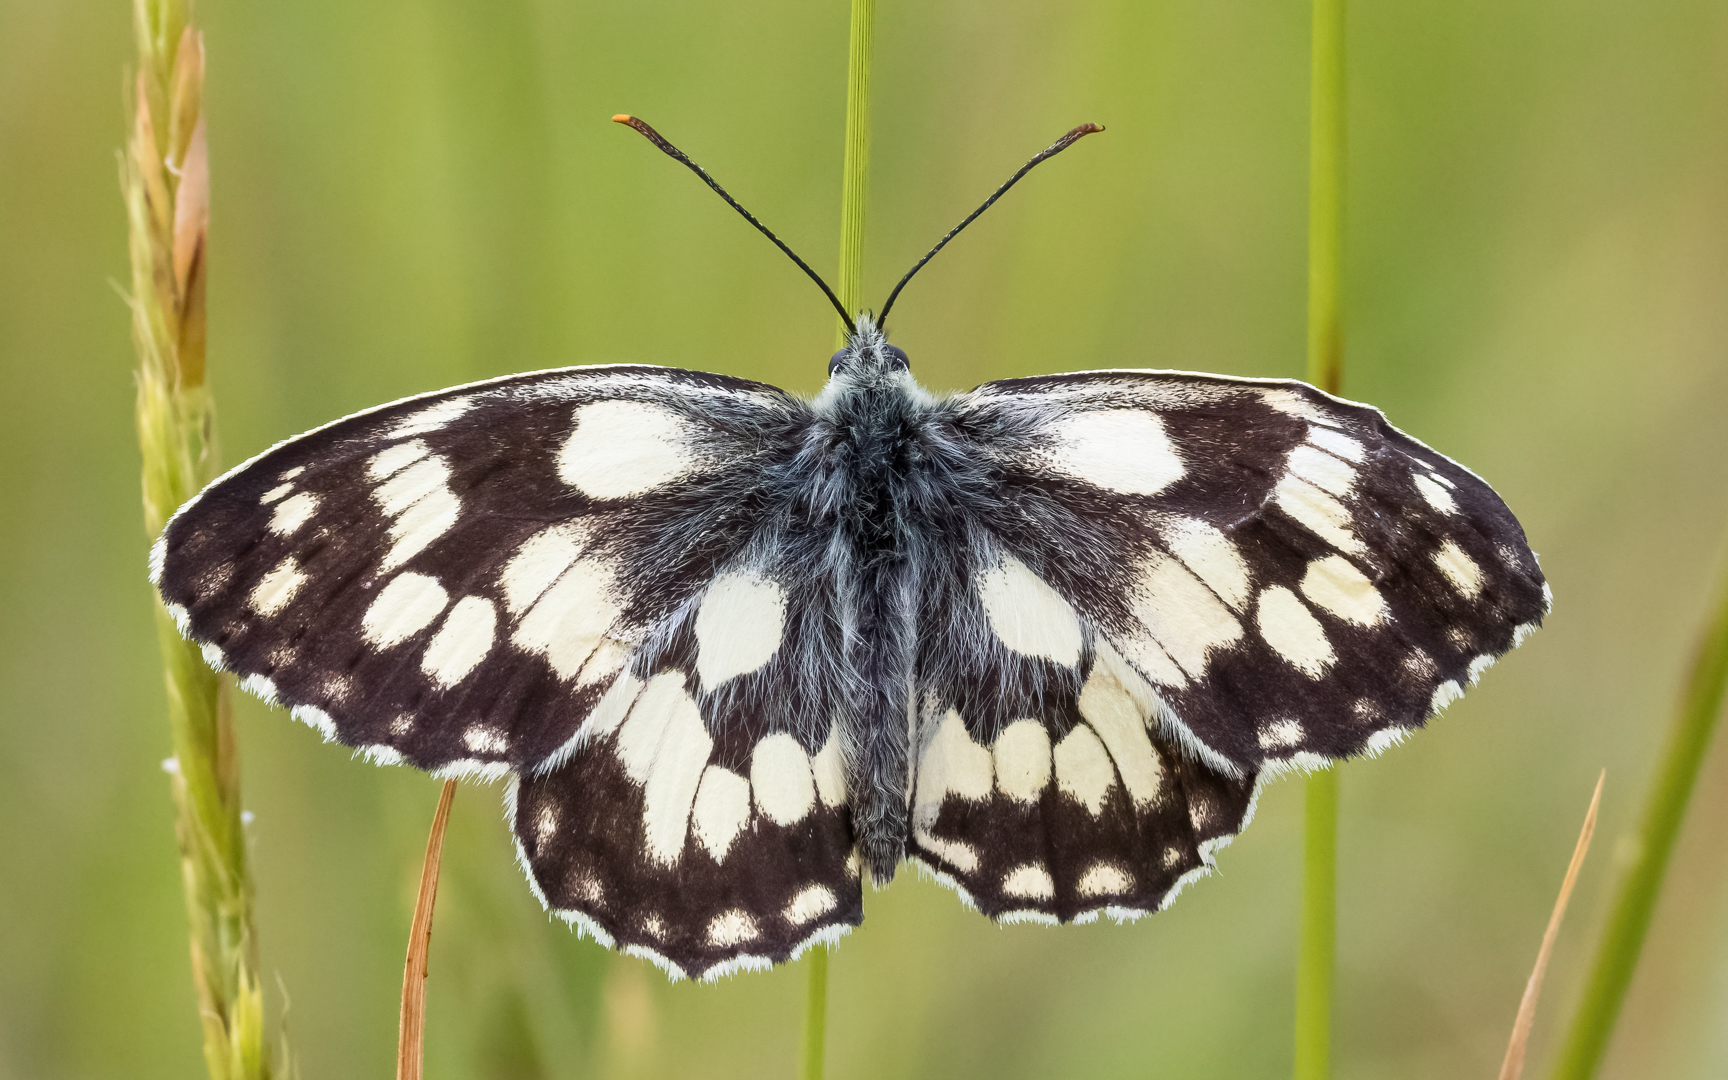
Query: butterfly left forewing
x=455, y=580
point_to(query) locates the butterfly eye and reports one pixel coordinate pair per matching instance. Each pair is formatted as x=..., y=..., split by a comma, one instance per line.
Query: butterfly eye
x=835, y=360
x=897, y=359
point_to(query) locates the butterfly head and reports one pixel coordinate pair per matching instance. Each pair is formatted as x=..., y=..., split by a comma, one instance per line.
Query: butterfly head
x=867, y=352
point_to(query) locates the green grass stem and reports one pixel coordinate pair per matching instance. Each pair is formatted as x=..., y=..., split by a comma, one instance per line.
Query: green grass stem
x=1315, y=957
x=1314, y=963
x=1640, y=885
x=853, y=192
x=855, y=186
x=164, y=179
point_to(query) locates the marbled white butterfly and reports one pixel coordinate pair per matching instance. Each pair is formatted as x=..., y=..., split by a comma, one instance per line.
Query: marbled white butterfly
x=735, y=650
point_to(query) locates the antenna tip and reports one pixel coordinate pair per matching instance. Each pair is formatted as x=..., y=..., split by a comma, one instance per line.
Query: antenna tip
x=1088, y=129
x=622, y=118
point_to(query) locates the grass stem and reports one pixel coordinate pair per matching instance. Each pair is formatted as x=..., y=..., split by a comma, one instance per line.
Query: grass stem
x=853, y=192
x=1512, y=1067
x=855, y=185
x=411, y=1027
x=1640, y=884
x=1314, y=964
x=1315, y=960
x=165, y=183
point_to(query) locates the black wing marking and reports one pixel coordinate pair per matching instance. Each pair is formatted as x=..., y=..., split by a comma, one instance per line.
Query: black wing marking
x=1295, y=578
x=454, y=580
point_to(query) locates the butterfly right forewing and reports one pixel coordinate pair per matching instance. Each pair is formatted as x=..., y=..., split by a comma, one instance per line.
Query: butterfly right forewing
x=1295, y=578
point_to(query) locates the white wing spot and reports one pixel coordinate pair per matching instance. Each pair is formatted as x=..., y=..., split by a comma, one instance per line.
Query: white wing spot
x=1337, y=442
x=664, y=746
x=293, y=512
x=1120, y=723
x=1323, y=470
x=1183, y=616
x=781, y=781
x=962, y=856
x=1335, y=585
x=382, y=754
x=462, y=642
x=482, y=739
x=1479, y=665
x=1212, y=556
x=1029, y=881
x=1435, y=495
x=546, y=822
x=569, y=620
x=1445, y=694
x=275, y=493
x=739, y=626
x=392, y=460
x=1280, y=734
x=953, y=764
x=317, y=719
x=423, y=523
x=540, y=561
x=409, y=486
x=1121, y=450
x=1293, y=631
x=1027, y=614
x=722, y=810
x=623, y=448
x=277, y=588
x=261, y=687
x=1104, y=879
x=1385, y=739
x=402, y=609
x=810, y=903
x=431, y=418
x=1460, y=569
x=294, y=472
x=420, y=499
x=1083, y=768
x=828, y=771
x=1318, y=512
x=731, y=928
x=1022, y=754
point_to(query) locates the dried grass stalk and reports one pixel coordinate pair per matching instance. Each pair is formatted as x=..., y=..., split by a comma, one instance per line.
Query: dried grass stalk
x=165, y=182
x=1513, y=1067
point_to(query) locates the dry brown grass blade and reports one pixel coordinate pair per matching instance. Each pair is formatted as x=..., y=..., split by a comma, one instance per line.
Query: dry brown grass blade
x=411, y=1030
x=1513, y=1066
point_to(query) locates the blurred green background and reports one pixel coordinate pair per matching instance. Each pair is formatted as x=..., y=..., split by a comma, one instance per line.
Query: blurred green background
x=412, y=193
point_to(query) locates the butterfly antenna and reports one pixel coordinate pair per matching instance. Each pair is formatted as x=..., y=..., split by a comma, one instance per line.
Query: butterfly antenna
x=1049, y=152
x=678, y=155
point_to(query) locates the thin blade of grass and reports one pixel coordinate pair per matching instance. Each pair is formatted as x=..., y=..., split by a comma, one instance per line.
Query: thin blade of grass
x=1635, y=898
x=1513, y=1067
x=1315, y=958
x=861, y=50
x=411, y=1029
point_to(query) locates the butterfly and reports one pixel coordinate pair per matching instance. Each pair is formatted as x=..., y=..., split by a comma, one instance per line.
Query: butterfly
x=736, y=651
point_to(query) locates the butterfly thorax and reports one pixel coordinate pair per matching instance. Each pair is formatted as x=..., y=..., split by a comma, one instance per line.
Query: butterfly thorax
x=872, y=420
